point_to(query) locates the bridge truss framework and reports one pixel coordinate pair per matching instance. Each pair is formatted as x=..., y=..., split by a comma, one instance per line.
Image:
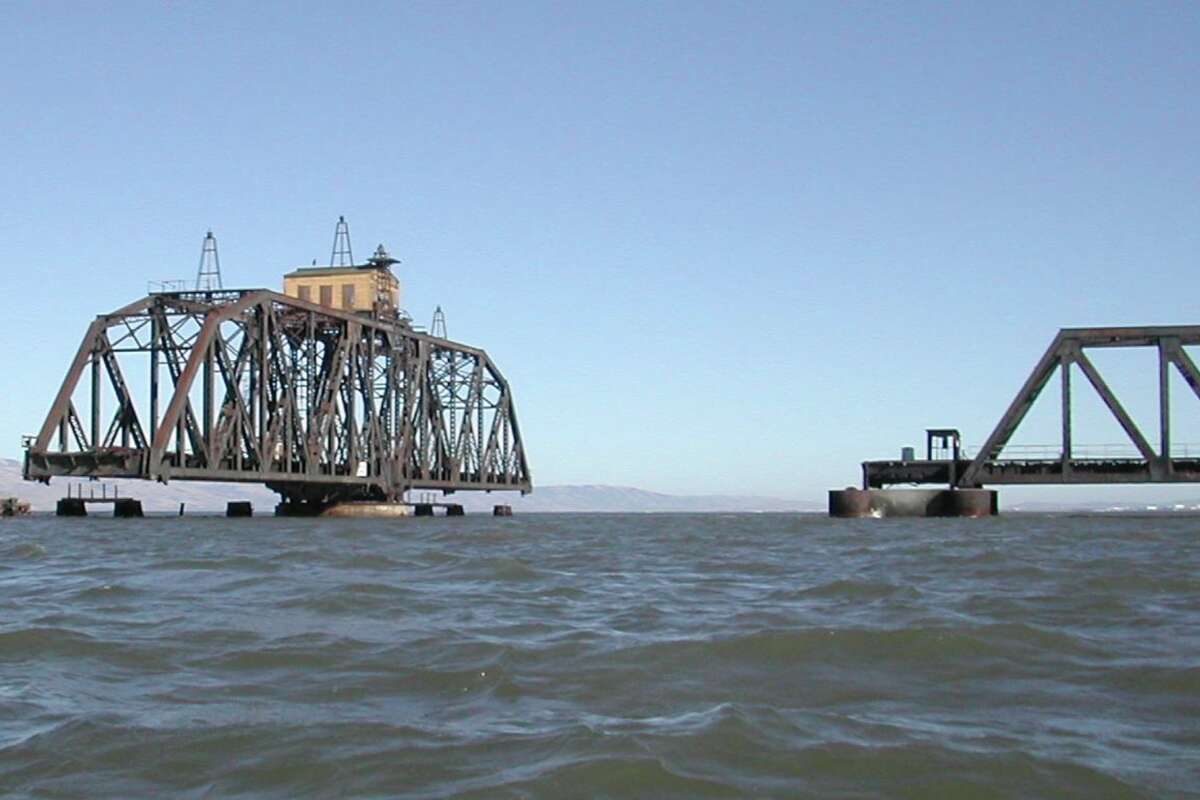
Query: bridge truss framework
x=320, y=405
x=1067, y=350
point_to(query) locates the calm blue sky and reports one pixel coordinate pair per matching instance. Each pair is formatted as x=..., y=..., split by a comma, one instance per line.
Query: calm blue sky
x=732, y=247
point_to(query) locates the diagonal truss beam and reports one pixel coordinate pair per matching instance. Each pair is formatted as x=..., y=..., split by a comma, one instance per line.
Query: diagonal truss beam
x=1114, y=405
x=1018, y=408
x=1067, y=349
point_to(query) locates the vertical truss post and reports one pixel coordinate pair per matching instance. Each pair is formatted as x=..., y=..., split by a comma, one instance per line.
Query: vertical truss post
x=207, y=388
x=1164, y=403
x=264, y=322
x=96, y=440
x=1065, y=368
x=154, y=337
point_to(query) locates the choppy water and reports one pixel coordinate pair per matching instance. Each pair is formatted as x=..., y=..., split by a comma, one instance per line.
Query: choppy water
x=601, y=656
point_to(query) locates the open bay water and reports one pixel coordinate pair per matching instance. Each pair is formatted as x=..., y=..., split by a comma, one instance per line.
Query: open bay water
x=589, y=656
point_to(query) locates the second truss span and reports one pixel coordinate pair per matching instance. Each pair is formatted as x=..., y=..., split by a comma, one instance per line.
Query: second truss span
x=1070, y=464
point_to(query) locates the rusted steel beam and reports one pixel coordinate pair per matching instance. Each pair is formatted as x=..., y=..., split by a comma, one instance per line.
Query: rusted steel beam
x=1133, y=336
x=1114, y=405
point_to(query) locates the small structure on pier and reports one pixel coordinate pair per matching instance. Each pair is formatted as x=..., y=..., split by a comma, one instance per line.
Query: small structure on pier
x=75, y=504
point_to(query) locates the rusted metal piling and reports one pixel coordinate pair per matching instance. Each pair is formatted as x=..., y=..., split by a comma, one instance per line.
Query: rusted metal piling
x=877, y=503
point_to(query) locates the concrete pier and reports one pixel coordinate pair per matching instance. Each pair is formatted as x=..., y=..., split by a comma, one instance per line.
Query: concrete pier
x=71, y=507
x=370, y=509
x=367, y=510
x=852, y=502
x=239, y=508
x=127, y=508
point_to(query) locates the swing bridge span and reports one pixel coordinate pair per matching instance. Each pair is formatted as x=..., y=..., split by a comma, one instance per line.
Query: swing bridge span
x=321, y=405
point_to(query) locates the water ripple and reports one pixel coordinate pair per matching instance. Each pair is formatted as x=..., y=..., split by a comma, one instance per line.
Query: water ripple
x=608, y=655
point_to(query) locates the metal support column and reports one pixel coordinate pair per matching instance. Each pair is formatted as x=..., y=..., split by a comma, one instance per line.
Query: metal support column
x=96, y=441
x=1164, y=404
x=1065, y=368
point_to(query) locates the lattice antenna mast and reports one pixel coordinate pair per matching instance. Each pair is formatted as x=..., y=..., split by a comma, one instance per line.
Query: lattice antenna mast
x=438, y=328
x=341, y=255
x=208, y=276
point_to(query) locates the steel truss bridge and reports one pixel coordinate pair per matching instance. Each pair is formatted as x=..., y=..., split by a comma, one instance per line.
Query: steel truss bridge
x=320, y=405
x=993, y=465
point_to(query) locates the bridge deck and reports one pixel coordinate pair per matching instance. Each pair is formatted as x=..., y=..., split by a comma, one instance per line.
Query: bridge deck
x=878, y=474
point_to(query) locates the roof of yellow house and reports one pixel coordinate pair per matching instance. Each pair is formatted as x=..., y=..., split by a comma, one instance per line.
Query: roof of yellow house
x=305, y=272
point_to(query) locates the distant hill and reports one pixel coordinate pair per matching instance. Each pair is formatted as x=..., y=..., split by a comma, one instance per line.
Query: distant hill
x=211, y=497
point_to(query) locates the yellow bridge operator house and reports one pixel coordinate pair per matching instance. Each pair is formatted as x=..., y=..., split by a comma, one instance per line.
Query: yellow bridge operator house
x=369, y=288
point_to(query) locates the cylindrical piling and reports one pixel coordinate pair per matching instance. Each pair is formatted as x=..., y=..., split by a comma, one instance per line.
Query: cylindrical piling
x=849, y=502
x=913, y=502
x=974, y=503
x=368, y=510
